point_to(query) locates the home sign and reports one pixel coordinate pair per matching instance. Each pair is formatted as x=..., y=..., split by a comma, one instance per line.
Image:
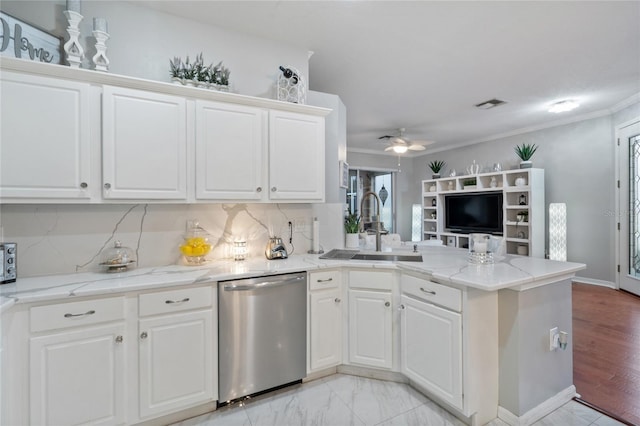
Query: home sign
x=21, y=40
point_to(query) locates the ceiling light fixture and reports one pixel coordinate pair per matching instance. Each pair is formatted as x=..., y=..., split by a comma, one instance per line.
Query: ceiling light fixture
x=400, y=149
x=563, y=106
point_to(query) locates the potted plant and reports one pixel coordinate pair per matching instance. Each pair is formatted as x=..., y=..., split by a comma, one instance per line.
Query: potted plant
x=177, y=70
x=470, y=183
x=525, y=152
x=522, y=216
x=352, y=227
x=435, y=167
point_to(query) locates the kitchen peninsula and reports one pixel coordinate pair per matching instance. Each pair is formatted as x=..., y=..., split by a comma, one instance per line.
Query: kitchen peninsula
x=490, y=334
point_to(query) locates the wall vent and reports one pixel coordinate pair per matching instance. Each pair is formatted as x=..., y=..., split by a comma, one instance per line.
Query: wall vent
x=492, y=103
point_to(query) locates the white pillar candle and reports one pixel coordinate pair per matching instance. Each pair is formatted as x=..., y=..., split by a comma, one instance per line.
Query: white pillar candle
x=73, y=5
x=100, y=24
x=316, y=235
x=480, y=247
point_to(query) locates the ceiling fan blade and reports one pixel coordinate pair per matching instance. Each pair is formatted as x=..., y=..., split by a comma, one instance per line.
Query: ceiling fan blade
x=385, y=137
x=389, y=148
x=416, y=147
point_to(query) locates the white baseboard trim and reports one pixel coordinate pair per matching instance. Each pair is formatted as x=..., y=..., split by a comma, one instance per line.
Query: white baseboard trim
x=592, y=281
x=541, y=410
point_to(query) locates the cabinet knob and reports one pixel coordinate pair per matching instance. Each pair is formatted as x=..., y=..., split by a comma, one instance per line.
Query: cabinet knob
x=259, y=189
x=337, y=300
x=274, y=189
x=119, y=339
x=387, y=304
x=401, y=308
x=143, y=335
x=107, y=186
x=83, y=185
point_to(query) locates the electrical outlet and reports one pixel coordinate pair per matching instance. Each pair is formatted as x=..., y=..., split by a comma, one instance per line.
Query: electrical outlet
x=299, y=224
x=553, y=339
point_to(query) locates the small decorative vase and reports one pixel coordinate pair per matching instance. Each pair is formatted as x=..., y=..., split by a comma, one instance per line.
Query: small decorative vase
x=521, y=181
x=435, y=176
x=352, y=241
x=189, y=83
x=450, y=185
x=526, y=164
x=176, y=80
x=494, y=182
x=523, y=250
x=223, y=88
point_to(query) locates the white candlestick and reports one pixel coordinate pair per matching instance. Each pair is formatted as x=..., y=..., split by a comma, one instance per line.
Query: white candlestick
x=73, y=5
x=100, y=24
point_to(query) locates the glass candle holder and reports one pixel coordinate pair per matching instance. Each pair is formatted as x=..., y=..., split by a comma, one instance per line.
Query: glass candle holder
x=239, y=250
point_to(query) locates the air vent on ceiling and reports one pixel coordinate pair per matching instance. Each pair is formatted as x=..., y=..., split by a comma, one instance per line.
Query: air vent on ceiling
x=490, y=104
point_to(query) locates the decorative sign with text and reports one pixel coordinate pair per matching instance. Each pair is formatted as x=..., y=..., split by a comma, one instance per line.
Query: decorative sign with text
x=21, y=40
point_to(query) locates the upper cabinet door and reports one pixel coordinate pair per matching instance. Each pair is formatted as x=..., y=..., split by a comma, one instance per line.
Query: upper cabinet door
x=296, y=157
x=230, y=147
x=144, y=145
x=45, y=150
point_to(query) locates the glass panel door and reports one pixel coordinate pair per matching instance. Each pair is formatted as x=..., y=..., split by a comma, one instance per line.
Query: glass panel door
x=629, y=208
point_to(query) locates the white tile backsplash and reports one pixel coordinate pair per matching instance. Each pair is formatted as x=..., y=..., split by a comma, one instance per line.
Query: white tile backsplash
x=67, y=238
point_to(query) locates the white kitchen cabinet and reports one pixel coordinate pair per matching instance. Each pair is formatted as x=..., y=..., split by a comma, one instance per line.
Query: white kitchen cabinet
x=77, y=363
x=325, y=320
x=177, y=350
x=230, y=149
x=431, y=348
x=78, y=376
x=45, y=137
x=296, y=157
x=370, y=326
x=144, y=145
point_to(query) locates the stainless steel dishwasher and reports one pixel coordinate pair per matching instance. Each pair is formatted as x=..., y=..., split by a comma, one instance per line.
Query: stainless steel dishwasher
x=262, y=334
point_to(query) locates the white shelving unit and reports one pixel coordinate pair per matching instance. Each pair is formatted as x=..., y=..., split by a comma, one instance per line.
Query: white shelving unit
x=524, y=234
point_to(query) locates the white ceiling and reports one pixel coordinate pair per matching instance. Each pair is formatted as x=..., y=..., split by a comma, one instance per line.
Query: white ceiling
x=423, y=65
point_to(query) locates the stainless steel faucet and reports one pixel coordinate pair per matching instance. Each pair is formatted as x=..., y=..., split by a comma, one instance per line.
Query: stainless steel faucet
x=376, y=222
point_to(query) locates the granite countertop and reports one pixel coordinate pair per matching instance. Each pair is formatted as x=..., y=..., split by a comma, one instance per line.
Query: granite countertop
x=443, y=264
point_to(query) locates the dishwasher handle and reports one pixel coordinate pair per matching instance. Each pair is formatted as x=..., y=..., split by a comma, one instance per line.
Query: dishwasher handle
x=241, y=286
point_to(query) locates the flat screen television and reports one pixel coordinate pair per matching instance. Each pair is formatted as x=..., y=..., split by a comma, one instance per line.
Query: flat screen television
x=478, y=212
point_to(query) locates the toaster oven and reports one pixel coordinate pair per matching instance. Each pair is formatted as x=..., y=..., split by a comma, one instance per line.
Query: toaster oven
x=8, y=262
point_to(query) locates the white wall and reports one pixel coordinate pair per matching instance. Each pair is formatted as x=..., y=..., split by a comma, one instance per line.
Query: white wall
x=578, y=160
x=144, y=40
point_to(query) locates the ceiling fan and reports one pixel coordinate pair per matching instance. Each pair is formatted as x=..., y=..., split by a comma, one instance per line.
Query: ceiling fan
x=401, y=144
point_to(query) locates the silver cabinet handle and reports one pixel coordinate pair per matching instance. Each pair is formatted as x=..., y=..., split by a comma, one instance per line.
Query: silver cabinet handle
x=107, y=186
x=186, y=299
x=259, y=189
x=119, y=339
x=325, y=281
x=401, y=307
x=143, y=335
x=274, y=189
x=91, y=312
x=387, y=304
x=428, y=291
x=83, y=185
x=337, y=300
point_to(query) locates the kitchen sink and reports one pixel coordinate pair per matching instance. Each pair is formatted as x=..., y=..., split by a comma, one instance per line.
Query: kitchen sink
x=356, y=255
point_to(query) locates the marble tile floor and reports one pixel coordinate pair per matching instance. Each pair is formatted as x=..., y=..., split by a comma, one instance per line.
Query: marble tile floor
x=349, y=400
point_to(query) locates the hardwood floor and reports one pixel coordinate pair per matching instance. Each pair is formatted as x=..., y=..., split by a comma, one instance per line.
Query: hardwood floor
x=606, y=350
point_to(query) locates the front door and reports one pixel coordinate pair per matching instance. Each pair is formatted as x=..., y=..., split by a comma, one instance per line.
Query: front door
x=629, y=207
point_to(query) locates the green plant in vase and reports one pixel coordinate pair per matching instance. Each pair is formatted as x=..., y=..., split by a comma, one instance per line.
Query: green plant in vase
x=525, y=152
x=435, y=167
x=469, y=182
x=352, y=227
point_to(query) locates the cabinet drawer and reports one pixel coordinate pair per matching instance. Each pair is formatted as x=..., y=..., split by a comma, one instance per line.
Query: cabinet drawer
x=375, y=280
x=439, y=294
x=73, y=314
x=163, y=302
x=324, y=279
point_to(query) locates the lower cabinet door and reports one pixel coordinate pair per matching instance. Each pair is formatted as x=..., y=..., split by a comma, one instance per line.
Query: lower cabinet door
x=370, y=325
x=325, y=313
x=176, y=365
x=431, y=347
x=77, y=377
